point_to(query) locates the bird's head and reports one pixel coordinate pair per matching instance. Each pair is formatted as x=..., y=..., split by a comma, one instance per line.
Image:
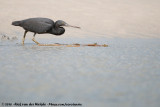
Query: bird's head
x=62, y=23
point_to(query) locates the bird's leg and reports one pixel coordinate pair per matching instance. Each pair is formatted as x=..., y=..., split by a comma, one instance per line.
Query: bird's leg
x=24, y=37
x=34, y=39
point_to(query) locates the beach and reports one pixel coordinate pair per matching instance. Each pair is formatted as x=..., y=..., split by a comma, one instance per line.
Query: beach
x=124, y=74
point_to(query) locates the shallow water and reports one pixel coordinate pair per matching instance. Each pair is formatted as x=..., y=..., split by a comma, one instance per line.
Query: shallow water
x=126, y=74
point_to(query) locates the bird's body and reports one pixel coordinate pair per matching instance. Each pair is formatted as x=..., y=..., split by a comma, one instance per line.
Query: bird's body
x=41, y=26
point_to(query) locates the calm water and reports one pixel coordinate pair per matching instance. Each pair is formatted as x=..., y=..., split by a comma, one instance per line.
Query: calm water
x=126, y=74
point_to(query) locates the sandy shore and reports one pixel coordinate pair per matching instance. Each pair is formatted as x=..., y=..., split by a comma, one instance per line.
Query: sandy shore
x=107, y=18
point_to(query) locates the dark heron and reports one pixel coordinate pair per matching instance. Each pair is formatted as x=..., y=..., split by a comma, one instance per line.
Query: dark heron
x=41, y=26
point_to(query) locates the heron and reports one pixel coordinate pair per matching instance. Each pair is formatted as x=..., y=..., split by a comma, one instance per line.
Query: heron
x=41, y=26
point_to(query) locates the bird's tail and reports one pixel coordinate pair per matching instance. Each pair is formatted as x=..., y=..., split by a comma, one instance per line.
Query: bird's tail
x=16, y=23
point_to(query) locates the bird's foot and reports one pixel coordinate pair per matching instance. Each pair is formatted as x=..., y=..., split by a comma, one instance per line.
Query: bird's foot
x=23, y=41
x=74, y=45
x=49, y=44
x=35, y=41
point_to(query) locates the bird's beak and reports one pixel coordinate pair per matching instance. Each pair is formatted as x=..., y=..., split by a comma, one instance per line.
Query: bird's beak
x=67, y=25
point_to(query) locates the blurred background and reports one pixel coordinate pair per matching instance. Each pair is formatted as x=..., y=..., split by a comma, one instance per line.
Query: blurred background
x=109, y=18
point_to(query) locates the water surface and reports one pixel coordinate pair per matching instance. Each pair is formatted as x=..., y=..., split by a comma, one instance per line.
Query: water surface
x=124, y=74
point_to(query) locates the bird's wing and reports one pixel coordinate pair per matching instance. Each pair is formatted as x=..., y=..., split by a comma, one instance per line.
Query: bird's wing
x=37, y=26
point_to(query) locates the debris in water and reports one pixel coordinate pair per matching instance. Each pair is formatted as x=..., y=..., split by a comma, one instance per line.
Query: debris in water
x=5, y=37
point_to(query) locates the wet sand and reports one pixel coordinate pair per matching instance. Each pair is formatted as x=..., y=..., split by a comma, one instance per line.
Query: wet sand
x=124, y=74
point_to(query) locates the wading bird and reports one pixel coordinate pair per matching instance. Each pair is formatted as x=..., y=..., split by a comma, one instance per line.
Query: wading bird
x=41, y=26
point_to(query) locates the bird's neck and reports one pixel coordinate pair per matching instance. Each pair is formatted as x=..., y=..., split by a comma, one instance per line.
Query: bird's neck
x=57, y=30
